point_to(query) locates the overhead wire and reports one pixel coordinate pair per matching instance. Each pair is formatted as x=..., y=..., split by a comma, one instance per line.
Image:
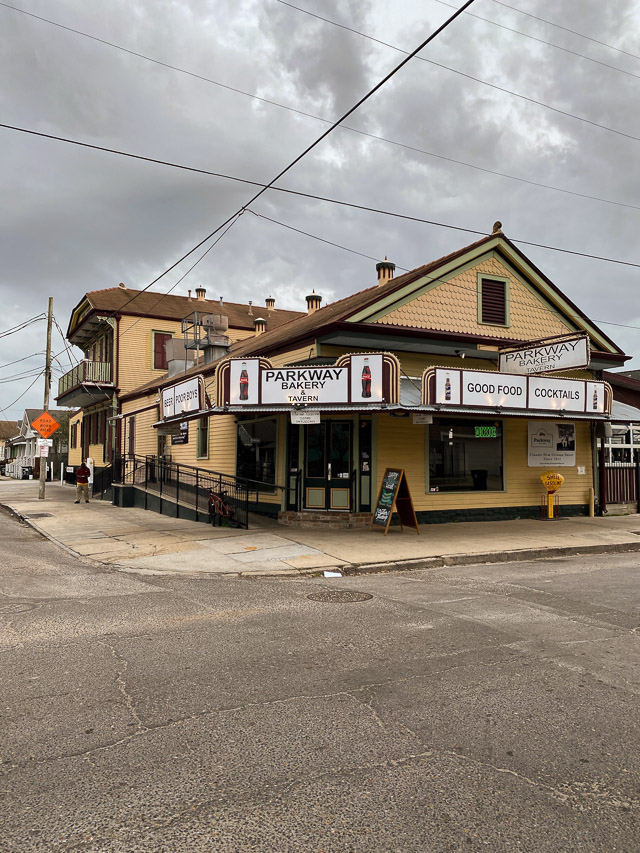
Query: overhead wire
x=18, y=360
x=312, y=196
x=20, y=326
x=431, y=279
x=328, y=121
x=567, y=30
x=471, y=76
x=542, y=41
x=11, y=405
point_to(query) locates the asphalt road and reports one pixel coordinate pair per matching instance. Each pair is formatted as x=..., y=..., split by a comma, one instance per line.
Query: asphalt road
x=490, y=707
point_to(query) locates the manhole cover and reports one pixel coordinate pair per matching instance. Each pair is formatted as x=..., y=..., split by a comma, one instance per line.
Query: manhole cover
x=39, y=515
x=339, y=596
x=16, y=607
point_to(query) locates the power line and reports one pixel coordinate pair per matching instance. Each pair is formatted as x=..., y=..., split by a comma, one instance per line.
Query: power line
x=543, y=41
x=10, y=406
x=301, y=194
x=316, y=142
x=173, y=287
x=20, y=326
x=375, y=136
x=477, y=79
x=26, y=357
x=68, y=349
x=433, y=279
x=567, y=30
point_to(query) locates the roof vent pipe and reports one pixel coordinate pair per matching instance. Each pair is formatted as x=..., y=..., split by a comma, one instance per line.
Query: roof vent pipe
x=313, y=302
x=200, y=293
x=259, y=325
x=270, y=302
x=385, y=271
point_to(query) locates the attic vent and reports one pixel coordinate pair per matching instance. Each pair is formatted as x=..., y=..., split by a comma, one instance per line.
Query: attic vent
x=493, y=302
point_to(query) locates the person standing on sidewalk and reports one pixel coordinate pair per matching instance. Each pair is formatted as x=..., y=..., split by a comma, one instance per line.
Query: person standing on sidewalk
x=82, y=482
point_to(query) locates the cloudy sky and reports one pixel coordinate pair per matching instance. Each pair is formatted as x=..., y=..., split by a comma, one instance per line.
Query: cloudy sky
x=516, y=101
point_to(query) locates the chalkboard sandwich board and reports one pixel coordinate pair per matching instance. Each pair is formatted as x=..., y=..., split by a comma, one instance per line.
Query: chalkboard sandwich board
x=393, y=496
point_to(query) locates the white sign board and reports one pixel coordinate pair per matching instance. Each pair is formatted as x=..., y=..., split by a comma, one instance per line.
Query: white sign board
x=566, y=354
x=244, y=382
x=44, y=442
x=551, y=445
x=44, y=450
x=184, y=397
x=366, y=378
x=308, y=417
x=305, y=385
x=486, y=389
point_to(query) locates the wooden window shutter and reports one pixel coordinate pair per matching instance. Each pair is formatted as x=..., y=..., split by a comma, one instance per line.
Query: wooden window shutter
x=159, y=352
x=494, y=302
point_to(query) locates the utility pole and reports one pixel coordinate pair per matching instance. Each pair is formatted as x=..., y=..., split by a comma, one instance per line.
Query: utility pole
x=47, y=385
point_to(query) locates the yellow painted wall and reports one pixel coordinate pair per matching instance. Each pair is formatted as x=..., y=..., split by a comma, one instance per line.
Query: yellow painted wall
x=75, y=453
x=453, y=306
x=135, y=349
x=402, y=444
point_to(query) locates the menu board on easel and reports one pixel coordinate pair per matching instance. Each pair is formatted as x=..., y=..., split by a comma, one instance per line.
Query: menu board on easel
x=394, y=496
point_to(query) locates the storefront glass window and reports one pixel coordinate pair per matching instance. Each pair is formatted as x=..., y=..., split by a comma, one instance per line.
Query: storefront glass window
x=465, y=455
x=256, y=450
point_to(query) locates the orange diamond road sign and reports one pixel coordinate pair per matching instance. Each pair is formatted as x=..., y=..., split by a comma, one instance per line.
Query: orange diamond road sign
x=45, y=425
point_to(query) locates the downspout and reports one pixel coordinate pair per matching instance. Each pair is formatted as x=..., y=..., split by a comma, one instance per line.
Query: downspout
x=116, y=402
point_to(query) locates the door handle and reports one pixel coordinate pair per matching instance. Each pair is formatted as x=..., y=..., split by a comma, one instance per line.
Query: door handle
x=328, y=470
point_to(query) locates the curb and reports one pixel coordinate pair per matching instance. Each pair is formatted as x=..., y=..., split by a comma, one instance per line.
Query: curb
x=355, y=569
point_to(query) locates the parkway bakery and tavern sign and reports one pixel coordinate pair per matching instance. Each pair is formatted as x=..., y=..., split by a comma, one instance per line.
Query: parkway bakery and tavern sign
x=565, y=352
x=363, y=378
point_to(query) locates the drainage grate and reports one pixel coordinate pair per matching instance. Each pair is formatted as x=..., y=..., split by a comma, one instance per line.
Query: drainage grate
x=38, y=515
x=339, y=596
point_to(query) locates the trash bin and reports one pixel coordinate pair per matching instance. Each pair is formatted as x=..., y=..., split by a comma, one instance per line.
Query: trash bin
x=479, y=477
x=27, y=472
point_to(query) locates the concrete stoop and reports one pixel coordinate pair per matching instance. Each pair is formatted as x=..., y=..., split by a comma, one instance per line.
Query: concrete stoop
x=310, y=520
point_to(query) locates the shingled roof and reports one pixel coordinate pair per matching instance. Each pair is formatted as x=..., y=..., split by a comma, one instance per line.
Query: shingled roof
x=138, y=303
x=8, y=429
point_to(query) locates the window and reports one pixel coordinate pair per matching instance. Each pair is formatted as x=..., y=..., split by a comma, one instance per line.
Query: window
x=465, y=455
x=74, y=435
x=493, y=301
x=159, y=352
x=202, y=439
x=256, y=450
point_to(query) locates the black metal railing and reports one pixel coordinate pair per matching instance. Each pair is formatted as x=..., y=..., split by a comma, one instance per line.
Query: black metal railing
x=222, y=498
x=102, y=481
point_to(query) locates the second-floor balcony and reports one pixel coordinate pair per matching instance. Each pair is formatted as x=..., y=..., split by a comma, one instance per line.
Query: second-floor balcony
x=88, y=382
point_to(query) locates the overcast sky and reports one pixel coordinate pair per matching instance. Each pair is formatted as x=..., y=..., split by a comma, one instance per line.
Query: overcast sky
x=74, y=220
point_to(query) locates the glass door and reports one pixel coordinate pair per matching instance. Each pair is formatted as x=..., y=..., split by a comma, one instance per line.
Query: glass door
x=328, y=459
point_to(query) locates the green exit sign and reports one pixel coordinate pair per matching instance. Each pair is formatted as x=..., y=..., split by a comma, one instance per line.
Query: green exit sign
x=486, y=432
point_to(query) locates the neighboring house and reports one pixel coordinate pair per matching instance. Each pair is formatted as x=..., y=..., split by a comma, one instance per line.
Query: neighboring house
x=623, y=445
x=8, y=430
x=25, y=459
x=124, y=335
x=388, y=379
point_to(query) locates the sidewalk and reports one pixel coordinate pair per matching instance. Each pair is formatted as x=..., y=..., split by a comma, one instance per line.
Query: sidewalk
x=149, y=543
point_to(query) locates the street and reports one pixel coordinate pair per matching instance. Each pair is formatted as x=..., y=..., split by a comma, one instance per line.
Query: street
x=484, y=707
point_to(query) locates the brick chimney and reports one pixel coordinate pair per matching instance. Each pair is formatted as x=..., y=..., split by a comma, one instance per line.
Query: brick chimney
x=313, y=302
x=270, y=302
x=259, y=325
x=200, y=294
x=385, y=271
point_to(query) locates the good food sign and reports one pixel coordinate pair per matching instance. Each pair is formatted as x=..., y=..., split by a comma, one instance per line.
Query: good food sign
x=486, y=389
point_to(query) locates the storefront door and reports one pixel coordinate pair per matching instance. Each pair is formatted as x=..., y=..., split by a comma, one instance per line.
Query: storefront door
x=328, y=464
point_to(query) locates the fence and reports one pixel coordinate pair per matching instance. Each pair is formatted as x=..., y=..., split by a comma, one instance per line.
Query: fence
x=622, y=482
x=192, y=487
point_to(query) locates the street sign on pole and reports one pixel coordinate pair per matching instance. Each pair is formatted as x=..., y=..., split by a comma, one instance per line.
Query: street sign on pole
x=45, y=424
x=44, y=442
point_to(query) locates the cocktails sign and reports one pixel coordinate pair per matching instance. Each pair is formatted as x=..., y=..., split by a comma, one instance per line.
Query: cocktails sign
x=451, y=387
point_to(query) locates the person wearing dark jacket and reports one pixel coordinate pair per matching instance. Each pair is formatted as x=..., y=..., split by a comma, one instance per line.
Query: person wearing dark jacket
x=82, y=482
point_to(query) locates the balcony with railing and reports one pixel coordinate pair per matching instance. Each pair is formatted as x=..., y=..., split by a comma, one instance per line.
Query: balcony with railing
x=88, y=382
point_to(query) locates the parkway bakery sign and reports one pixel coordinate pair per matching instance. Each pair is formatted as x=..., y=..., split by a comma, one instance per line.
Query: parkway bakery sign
x=566, y=352
x=356, y=379
x=477, y=389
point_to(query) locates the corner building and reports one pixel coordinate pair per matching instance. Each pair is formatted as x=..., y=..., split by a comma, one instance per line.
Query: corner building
x=404, y=374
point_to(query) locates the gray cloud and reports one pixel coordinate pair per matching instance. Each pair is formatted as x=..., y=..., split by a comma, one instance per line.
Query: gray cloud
x=76, y=220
